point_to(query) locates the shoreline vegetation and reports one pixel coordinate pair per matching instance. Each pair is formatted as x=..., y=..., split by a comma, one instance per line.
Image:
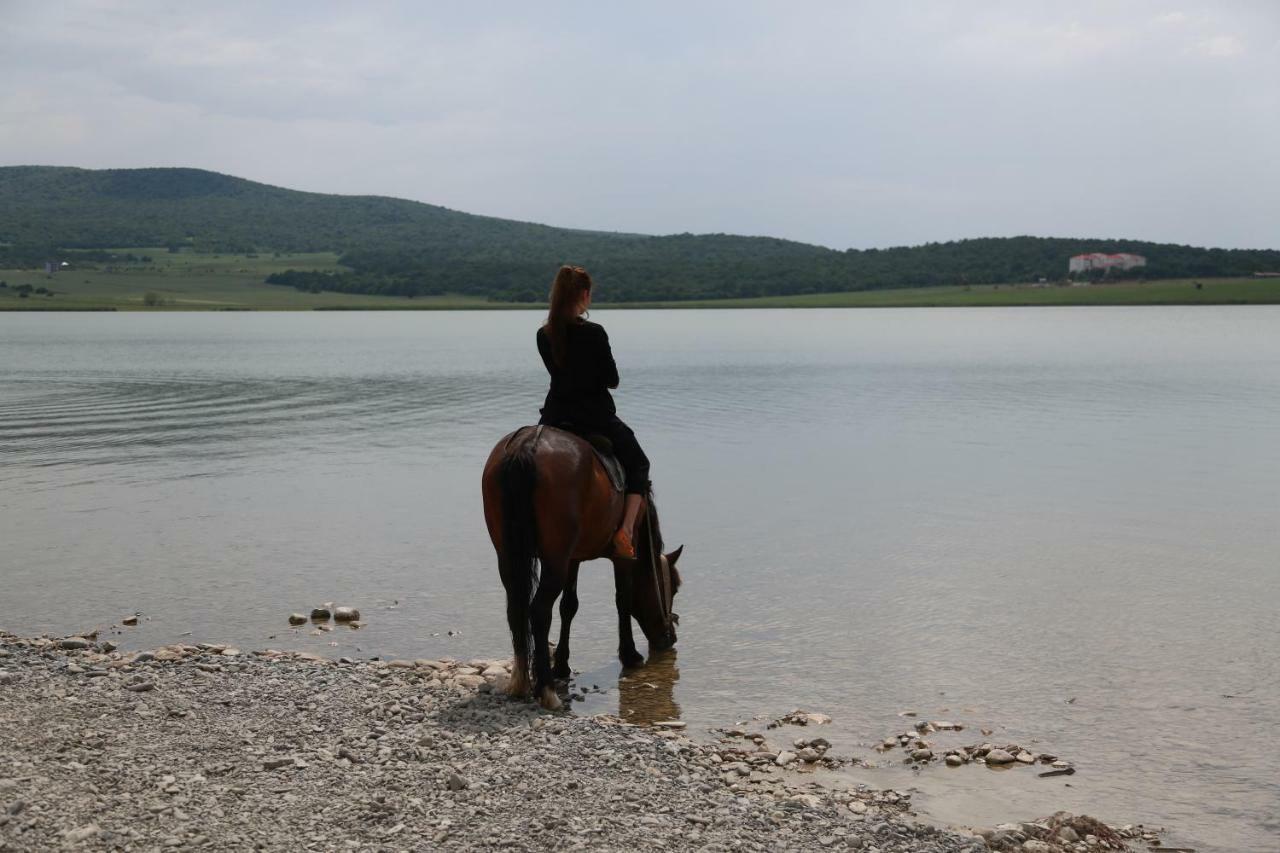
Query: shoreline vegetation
x=204, y=746
x=192, y=282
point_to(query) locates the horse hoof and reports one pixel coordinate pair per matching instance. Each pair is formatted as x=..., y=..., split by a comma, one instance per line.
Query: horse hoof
x=562, y=672
x=631, y=660
x=549, y=700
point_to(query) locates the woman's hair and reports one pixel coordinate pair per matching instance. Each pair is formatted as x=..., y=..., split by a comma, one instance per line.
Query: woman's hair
x=566, y=293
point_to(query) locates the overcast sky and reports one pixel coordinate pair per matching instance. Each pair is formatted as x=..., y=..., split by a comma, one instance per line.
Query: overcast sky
x=840, y=123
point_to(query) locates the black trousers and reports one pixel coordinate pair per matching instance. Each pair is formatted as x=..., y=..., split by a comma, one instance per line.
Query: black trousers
x=625, y=447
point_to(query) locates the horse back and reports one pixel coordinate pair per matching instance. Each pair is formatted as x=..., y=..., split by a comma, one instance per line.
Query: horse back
x=575, y=504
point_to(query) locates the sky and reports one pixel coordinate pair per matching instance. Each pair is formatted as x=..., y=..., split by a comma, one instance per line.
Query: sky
x=846, y=124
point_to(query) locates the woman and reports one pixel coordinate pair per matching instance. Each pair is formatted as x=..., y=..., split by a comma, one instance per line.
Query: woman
x=577, y=355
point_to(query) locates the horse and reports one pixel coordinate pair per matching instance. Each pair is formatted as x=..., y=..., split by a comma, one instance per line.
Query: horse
x=549, y=500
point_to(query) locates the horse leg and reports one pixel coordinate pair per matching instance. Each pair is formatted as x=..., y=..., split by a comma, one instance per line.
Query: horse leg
x=518, y=622
x=568, y=607
x=554, y=573
x=622, y=598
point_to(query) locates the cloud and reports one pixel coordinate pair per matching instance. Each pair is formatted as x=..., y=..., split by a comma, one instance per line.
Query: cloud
x=844, y=124
x=1221, y=47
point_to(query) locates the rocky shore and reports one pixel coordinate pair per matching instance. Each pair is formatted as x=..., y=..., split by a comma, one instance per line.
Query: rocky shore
x=206, y=747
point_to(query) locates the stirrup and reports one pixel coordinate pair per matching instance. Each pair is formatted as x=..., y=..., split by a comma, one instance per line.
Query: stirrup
x=622, y=546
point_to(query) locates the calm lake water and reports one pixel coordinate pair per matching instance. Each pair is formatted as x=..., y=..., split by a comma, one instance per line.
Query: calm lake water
x=1060, y=524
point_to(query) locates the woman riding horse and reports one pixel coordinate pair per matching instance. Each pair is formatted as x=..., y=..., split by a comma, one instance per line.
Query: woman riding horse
x=577, y=355
x=548, y=500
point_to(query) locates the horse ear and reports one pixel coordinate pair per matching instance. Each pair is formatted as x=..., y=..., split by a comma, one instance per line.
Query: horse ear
x=674, y=555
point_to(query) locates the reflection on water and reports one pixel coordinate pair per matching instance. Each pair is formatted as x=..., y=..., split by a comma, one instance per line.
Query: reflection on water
x=1055, y=524
x=648, y=695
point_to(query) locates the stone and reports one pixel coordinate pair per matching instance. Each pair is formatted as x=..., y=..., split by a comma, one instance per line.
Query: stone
x=141, y=687
x=74, y=643
x=472, y=681
x=129, y=620
x=858, y=807
x=1067, y=835
x=108, y=646
x=230, y=653
x=1003, y=839
x=784, y=758
x=346, y=614
x=1025, y=757
x=954, y=760
x=8, y=677
x=276, y=763
x=808, y=754
x=83, y=833
x=457, y=783
x=921, y=754
x=297, y=619
x=999, y=756
x=321, y=613
x=1034, y=846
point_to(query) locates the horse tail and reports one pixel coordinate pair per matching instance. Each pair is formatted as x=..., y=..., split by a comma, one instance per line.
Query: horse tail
x=518, y=562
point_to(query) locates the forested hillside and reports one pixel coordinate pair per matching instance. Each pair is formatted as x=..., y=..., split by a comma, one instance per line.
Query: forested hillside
x=393, y=246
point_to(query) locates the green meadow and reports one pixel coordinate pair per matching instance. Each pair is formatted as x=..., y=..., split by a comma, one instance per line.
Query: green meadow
x=1212, y=291
x=196, y=282
x=185, y=281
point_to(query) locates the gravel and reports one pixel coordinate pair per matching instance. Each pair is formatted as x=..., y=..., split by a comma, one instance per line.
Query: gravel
x=185, y=747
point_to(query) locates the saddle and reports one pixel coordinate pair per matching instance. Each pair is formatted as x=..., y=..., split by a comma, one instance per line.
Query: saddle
x=604, y=452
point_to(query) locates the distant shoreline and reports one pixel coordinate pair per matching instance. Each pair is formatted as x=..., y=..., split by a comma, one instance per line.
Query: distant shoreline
x=182, y=293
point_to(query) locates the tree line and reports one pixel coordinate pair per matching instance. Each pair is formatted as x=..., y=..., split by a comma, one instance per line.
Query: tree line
x=405, y=248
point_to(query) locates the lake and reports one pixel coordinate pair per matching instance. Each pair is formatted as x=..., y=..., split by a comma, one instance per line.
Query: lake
x=1058, y=524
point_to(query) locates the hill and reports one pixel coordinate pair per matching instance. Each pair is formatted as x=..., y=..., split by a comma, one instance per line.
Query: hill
x=397, y=247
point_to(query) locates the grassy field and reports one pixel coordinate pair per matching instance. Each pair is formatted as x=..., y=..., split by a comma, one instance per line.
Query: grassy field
x=1213, y=291
x=191, y=282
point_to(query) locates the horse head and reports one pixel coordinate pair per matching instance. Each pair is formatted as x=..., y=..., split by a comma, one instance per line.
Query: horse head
x=654, y=598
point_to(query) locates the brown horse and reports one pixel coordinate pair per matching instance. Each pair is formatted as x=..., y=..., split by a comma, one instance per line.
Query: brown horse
x=548, y=499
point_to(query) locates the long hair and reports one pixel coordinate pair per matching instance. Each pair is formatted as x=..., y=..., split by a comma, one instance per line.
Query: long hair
x=566, y=291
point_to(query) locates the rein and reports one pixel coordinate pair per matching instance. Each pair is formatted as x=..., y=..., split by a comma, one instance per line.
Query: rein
x=661, y=579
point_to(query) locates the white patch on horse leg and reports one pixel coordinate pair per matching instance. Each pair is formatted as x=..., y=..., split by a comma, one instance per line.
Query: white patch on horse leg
x=549, y=700
x=519, y=686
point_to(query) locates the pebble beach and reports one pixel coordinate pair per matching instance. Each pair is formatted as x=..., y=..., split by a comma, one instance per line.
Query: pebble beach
x=209, y=747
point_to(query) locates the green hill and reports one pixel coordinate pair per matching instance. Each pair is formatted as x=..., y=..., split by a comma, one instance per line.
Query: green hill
x=396, y=247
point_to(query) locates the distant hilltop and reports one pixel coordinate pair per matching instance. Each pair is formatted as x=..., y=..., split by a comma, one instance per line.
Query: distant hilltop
x=399, y=247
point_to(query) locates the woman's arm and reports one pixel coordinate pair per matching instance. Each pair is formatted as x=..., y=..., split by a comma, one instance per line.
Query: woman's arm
x=604, y=359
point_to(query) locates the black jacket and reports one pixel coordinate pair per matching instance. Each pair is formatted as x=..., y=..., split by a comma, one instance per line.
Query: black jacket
x=580, y=389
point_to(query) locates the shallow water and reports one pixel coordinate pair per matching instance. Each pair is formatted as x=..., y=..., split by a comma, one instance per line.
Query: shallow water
x=1056, y=523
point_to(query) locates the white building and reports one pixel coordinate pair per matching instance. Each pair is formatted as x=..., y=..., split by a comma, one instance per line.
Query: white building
x=1102, y=261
